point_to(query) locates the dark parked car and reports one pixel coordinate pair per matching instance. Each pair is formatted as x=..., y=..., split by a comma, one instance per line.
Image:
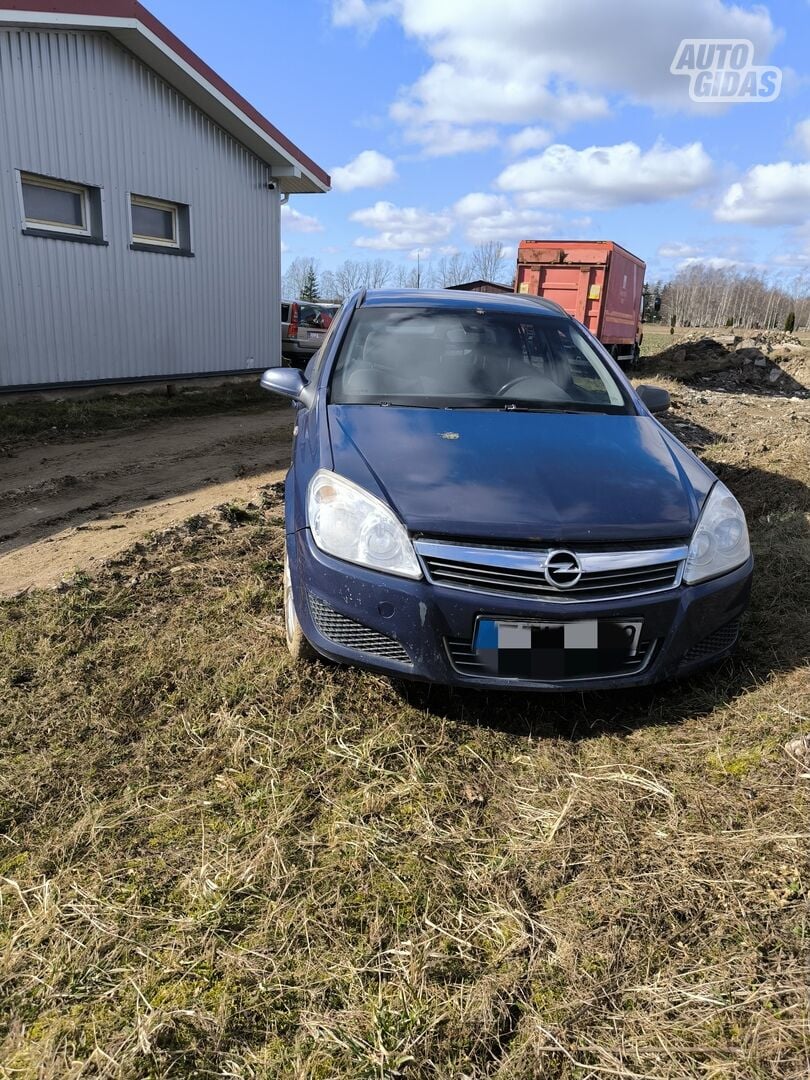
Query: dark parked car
x=303, y=328
x=479, y=497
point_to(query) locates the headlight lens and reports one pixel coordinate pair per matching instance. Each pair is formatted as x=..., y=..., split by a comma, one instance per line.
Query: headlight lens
x=720, y=541
x=354, y=525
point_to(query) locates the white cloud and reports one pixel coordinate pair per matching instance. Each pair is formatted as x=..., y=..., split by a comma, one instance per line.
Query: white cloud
x=445, y=95
x=777, y=194
x=479, y=216
x=294, y=221
x=676, y=250
x=442, y=140
x=793, y=259
x=363, y=13
x=519, y=63
x=801, y=136
x=530, y=138
x=600, y=177
x=368, y=169
x=401, y=228
x=484, y=216
x=479, y=202
x=713, y=262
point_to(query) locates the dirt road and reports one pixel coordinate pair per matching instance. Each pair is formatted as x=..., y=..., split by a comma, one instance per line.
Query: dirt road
x=68, y=506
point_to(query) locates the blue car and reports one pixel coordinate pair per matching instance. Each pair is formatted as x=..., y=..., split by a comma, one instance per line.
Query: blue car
x=478, y=497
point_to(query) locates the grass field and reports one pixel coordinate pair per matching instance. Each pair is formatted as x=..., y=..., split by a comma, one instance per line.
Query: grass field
x=213, y=864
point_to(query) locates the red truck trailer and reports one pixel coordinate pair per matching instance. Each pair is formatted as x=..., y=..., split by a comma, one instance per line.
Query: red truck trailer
x=597, y=281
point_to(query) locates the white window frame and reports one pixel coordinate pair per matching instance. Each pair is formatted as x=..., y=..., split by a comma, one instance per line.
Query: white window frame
x=35, y=180
x=156, y=204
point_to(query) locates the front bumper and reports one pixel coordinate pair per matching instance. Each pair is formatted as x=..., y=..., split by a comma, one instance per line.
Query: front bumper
x=425, y=618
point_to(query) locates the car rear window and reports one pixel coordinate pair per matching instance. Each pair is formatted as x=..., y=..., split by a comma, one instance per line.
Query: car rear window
x=473, y=358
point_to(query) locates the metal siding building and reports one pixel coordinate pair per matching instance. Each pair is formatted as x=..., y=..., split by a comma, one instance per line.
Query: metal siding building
x=78, y=105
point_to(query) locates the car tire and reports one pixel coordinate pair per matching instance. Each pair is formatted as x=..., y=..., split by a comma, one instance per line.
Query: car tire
x=297, y=645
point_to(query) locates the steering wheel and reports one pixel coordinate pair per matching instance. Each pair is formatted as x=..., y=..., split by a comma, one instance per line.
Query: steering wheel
x=514, y=382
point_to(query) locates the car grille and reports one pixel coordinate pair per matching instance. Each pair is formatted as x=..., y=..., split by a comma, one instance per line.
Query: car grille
x=717, y=642
x=605, y=575
x=353, y=635
x=463, y=658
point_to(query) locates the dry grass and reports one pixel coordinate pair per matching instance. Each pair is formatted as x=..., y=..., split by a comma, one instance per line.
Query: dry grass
x=214, y=865
x=39, y=419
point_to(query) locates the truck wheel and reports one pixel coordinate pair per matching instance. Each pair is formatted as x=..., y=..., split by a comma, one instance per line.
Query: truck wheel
x=299, y=648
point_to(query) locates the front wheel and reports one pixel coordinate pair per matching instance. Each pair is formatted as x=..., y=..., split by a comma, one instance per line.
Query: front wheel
x=299, y=648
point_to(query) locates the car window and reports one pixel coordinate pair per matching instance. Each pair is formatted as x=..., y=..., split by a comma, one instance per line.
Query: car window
x=315, y=316
x=472, y=359
x=320, y=355
x=285, y=312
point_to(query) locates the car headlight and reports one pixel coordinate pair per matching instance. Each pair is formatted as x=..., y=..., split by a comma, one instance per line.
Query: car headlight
x=354, y=525
x=720, y=541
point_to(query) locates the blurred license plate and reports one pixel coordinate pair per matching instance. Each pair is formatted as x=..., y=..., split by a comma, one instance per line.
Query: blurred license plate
x=562, y=650
x=314, y=336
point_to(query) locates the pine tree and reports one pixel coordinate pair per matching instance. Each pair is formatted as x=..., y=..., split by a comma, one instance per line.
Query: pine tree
x=309, y=289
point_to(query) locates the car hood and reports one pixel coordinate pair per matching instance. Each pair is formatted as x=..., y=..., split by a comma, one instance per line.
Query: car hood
x=510, y=475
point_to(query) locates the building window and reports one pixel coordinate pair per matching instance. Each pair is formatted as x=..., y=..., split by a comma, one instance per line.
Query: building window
x=158, y=225
x=58, y=207
x=154, y=222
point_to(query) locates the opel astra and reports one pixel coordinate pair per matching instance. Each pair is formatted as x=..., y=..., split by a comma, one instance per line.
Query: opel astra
x=479, y=497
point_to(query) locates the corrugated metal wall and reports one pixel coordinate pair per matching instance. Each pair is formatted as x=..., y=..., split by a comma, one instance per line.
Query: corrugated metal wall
x=79, y=107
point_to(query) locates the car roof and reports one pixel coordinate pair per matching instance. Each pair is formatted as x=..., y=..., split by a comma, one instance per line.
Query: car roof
x=314, y=303
x=459, y=301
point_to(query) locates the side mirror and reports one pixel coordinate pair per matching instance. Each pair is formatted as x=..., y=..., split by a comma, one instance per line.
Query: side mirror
x=287, y=381
x=654, y=397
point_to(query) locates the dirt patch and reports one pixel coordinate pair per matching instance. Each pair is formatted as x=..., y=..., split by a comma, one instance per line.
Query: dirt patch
x=71, y=505
x=770, y=362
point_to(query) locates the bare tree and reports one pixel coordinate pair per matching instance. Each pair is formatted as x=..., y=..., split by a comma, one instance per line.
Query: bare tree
x=292, y=283
x=452, y=270
x=703, y=295
x=350, y=275
x=329, y=287
x=407, y=277
x=488, y=261
x=378, y=273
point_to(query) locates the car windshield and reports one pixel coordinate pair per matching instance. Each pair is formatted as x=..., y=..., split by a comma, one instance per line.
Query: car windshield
x=473, y=358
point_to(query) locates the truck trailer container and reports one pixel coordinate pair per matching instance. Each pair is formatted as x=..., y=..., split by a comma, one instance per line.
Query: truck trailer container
x=597, y=281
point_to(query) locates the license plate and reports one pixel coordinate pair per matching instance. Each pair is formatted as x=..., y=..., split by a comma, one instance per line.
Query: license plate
x=314, y=337
x=556, y=650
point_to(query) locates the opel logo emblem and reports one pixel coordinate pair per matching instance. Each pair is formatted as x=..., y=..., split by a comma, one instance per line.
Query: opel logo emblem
x=562, y=569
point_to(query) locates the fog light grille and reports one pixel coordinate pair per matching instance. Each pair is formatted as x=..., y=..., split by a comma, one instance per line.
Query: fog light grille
x=353, y=635
x=717, y=642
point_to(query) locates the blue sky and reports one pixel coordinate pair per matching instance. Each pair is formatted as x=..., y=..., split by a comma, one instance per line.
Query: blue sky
x=476, y=120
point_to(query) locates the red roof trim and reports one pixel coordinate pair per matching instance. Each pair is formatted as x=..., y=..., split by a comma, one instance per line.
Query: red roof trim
x=131, y=9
